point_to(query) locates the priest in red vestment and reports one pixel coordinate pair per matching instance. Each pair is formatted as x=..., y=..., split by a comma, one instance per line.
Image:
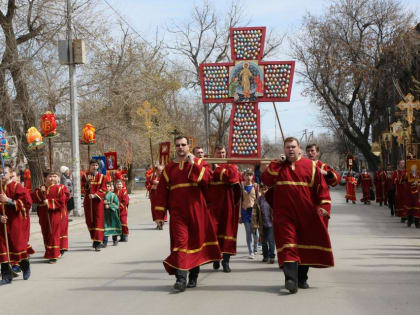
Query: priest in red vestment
x=331, y=176
x=93, y=203
x=223, y=199
x=351, y=184
x=300, y=202
x=366, y=182
x=15, y=201
x=52, y=209
x=152, y=181
x=124, y=199
x=379, y=178
x=193, y=239
x=399, y=178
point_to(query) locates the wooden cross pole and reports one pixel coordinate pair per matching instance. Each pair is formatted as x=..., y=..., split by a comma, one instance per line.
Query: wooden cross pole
x=147, y=111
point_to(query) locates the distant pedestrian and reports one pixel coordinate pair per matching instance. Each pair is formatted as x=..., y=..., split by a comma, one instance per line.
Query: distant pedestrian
x=248, y=212
x=366, y=182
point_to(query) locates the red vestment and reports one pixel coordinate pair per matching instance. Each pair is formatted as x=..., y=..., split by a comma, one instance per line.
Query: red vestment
x=300, y=195
x=124, y=199
x=399, y=178
x=16, y=225
x=193, y=239
x=351, y=184
x=224, y=206
x=332, y=178
x=27, y=180
x=379, y=179
x=412, y=205
x=94, y=208
x=52, y=218
x=366, y=181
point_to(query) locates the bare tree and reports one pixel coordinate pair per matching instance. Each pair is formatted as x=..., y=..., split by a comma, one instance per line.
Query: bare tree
x=340, y=53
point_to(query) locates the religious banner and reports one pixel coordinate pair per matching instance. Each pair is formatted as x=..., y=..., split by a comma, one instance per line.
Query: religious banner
x=101, y=162
x=164, y=152
x=244, y=82
x=191, y=143
x=111, y=161
x=413, y=170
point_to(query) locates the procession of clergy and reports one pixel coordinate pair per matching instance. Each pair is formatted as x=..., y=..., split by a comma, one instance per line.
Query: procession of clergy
x=204, y=204
x=105, y=213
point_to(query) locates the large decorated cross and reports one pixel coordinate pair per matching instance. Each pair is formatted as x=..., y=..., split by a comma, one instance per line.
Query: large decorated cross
x=245, y=82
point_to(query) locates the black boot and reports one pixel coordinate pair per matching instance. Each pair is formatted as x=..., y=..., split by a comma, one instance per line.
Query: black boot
x=192, y=278
x=216, y=265
x=6, y=274
x=181, y=280
x=225, y=263
x=410, y=220
x=115, y=240
x=97, y=246
x=303, y=277
x=26, y=268
x=417, y=223
x=124, y=238
x=290, y=270
x=105, y=243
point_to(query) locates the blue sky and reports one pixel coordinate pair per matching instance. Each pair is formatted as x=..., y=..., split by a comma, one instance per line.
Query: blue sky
x=283, y=16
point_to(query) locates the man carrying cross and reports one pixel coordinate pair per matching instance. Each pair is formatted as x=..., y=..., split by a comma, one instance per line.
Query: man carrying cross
x=300, y=202
x=223, y=197
x=193, y=239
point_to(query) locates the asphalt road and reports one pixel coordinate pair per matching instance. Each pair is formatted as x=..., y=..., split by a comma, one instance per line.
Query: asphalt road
x=377, y=272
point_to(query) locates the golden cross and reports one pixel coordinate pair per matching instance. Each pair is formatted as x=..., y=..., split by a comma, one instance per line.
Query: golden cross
x=147, y=111
x=409, y=105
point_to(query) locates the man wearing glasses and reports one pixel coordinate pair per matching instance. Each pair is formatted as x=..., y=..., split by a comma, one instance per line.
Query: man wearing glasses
x=193, y=239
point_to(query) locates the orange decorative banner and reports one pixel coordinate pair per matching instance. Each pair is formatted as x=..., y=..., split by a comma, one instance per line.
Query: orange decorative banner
x=48, y=124
x=88, y=134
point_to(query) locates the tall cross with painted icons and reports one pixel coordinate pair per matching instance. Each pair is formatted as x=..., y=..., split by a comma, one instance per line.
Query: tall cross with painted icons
x=245, y=82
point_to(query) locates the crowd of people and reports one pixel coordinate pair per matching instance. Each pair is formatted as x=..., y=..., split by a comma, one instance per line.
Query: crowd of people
x=287, y=206
x=105, y=208
x=389, y=187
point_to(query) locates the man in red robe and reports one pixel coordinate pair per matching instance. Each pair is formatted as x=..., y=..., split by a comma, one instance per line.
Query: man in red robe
x=93, y=203
x=223, y=196
x=351, y=184
x=412, y=204
x=52, y=210
x=300, y=201
x=124, y=199
x=152, y=181
x=14, y=204
x=193, y=239
x=399, y=179
x=330, y=175
x=366, y=181
x=379, y=178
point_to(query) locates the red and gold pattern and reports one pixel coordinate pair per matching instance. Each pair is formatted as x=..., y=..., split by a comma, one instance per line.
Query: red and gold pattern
x=48, y=125
x=88, y=134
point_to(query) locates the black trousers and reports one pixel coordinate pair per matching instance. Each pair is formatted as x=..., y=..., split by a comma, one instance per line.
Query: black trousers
x=391, y=200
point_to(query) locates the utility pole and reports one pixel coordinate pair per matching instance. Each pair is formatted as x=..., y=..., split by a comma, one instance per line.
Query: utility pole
x=206, y=125
x=74, y=117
